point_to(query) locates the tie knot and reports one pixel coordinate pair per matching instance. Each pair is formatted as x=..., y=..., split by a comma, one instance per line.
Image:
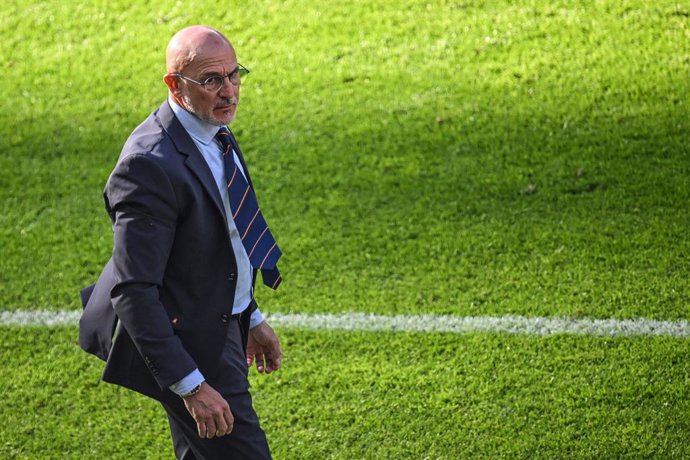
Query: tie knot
x=223, y=136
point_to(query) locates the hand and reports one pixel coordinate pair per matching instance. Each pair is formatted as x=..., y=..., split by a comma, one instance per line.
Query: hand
x=263, y=347
x=210, y=411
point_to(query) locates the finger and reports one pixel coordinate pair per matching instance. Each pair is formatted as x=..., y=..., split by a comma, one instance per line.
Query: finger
x=221, y=425
x=275, y=358
x=277, y=362
x=210, y=429
x=260, y=362
x=201, y=428
x=229, y=420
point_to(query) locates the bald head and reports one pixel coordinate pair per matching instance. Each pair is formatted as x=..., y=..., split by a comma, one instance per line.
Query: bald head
x=196, y=55
x=191, y=42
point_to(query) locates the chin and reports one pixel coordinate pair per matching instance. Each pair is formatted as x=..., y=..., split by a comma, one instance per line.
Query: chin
x=227, y=118
x=216, y=120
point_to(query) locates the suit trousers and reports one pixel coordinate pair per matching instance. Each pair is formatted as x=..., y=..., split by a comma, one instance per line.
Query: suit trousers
x=247, y=440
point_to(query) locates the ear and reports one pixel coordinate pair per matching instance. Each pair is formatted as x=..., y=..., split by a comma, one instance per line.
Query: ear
x=172, y=83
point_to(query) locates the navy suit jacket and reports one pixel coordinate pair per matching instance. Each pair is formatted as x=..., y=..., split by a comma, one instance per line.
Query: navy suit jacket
x=162, y=304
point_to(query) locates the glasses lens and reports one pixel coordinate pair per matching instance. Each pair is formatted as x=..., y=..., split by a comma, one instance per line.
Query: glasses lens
x=235, y=78
x=213, y=83
x=238, y=75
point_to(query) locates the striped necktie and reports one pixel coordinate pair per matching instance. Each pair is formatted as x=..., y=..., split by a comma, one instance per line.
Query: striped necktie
x=257, y=239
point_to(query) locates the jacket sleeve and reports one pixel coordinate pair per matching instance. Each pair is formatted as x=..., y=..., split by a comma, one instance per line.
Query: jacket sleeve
x=142, y=204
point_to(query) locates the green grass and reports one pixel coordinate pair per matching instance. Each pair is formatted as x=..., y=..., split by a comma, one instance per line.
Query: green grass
x=467, y=158
x=372, y=396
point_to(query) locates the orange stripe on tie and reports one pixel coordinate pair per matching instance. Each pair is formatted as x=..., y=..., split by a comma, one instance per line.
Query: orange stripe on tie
x=267, y=254
x=250, y=223
x=257, y=242
x=277, y=281
x=239, y=207
x=233, y=176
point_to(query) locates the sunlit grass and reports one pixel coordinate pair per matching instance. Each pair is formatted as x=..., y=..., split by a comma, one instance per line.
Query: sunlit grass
x=462, y=158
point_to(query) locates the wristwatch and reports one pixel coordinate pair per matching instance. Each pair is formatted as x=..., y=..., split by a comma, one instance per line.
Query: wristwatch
x=192, y=392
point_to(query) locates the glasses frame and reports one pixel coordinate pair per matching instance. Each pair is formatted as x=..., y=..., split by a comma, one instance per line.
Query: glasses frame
x=240, y=69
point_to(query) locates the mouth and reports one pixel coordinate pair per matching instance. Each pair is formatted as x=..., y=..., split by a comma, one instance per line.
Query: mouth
x=226, y=106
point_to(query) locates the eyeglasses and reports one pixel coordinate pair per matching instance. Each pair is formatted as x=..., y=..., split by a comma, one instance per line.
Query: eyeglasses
x=215, y=82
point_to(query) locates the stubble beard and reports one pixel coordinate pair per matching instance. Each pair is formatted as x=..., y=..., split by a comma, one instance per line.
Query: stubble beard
x=208, y=117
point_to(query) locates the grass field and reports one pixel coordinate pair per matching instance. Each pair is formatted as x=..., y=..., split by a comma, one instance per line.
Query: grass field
x=464, y=158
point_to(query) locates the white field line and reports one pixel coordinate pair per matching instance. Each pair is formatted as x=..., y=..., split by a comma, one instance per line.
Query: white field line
x=415, y=323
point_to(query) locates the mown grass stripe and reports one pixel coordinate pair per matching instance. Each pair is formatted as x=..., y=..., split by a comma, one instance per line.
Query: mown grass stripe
x=466, y=324
x=509, y=324
x=39, y=318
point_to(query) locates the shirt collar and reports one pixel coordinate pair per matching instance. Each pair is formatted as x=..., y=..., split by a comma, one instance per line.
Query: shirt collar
x=200, y=130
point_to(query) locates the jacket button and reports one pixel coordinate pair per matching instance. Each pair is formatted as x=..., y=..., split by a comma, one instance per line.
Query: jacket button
x=175, y=320
x=231, y=277
x=225, y=317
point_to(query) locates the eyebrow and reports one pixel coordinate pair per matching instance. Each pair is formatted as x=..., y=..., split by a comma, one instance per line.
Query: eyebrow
x=204, y=76
x=216, y=74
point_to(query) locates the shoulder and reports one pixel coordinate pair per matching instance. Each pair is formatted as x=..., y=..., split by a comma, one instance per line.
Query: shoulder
x=149, y=136
x=148, y=155
x=151, y=141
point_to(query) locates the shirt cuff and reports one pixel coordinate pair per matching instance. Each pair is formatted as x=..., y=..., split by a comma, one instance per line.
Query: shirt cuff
x=256, y=319
x=188, y=383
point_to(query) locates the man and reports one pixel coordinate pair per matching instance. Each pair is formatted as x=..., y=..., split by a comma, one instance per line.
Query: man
x=176, y=298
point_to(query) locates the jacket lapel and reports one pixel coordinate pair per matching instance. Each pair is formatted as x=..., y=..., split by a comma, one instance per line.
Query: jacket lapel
x=194, y=161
